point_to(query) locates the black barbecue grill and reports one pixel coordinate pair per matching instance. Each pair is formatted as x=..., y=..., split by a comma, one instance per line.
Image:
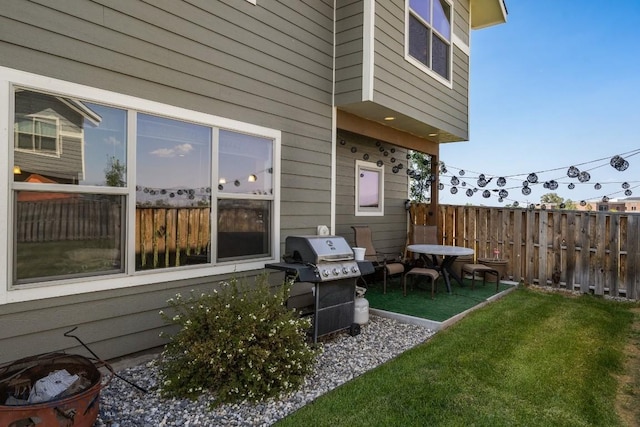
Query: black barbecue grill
x=327, y=262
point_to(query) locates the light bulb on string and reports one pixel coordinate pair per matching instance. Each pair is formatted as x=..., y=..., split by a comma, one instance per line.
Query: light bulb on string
x=584, y=177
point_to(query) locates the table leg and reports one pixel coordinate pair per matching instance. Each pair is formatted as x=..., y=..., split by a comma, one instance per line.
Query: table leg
x=448, y=272
x=452, y=273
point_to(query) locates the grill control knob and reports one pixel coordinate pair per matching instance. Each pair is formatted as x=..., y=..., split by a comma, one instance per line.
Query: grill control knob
x=325, y=272
x=345, y=270
x=335, y=271
x=354, y=269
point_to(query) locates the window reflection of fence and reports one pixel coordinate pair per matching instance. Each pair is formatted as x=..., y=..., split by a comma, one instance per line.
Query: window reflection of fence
x=165, y=236
x=71, y=218
x=595, y=252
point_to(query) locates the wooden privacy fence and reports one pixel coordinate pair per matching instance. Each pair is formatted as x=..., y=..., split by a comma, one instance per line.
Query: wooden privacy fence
x=69, y=218
x=595, y=252
x=165, y=236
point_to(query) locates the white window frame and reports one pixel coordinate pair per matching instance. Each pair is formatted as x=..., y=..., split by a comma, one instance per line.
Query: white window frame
x=9, y=294
x=423, y=67
x=371, y=167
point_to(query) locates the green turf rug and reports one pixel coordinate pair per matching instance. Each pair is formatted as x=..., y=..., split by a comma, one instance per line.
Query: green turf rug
x=418, y=301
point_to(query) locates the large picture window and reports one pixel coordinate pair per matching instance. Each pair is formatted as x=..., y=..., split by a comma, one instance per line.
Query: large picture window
x=369, y=189
x=83, y=210
x=428, y=30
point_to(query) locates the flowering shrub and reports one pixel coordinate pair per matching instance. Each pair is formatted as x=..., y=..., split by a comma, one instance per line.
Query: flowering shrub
x=237, y=342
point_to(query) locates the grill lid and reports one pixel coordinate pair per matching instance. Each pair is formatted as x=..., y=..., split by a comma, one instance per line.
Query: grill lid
x=317, y=249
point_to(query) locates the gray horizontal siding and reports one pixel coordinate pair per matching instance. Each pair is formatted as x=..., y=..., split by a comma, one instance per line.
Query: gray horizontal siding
x=389, y=231
x=461, y=21
x=406, y=89
x=349, y=53
x=269, y=65
x=104, y=319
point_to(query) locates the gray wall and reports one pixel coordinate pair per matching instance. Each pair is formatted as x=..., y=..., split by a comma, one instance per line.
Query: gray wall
x=398, y=84
x=389, y=231
x=349, y=29
x=269, y=65
x=404, y=88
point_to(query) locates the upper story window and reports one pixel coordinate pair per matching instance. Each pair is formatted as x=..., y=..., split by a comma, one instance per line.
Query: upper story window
x=37, y=134
x=428, y=36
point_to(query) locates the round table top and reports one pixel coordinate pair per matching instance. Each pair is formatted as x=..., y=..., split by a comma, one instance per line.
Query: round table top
x=444, y=250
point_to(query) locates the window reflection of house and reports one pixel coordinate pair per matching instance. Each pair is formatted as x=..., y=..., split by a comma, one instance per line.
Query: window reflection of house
x=49, y=136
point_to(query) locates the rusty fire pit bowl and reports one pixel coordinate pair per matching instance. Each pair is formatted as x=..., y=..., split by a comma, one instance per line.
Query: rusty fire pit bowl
x=77, y=407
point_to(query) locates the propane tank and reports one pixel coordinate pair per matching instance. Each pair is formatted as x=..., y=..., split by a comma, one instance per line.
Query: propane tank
x=361, y=310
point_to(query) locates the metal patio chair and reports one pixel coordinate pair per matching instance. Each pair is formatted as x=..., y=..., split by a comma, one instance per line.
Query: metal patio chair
x=389, y=264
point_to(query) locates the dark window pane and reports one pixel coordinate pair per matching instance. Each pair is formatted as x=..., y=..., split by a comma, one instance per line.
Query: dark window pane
x=442, y=18
x=243, y=229
x=48, y=144
x=25, y=141
x=440, y=58
x=65, y=235
x=418, y=40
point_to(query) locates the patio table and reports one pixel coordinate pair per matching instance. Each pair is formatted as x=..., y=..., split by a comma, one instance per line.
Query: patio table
x=448, y=253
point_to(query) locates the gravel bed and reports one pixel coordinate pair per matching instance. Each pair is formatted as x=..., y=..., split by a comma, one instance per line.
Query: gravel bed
x=343, y=358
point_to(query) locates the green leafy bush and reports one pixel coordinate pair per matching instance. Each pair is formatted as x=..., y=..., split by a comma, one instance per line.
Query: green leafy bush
x=238, y=342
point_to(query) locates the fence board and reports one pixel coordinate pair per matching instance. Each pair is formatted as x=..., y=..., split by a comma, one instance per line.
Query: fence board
x=596, y=252
x=542, y=246
x=556, y=249
x=517, y=259
x=614, y=255
x=633, y=256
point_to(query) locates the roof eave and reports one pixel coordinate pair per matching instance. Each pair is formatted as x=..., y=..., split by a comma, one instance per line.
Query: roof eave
x=487, y=13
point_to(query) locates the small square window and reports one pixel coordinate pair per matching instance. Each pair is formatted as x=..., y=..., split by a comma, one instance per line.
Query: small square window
x=369, y=192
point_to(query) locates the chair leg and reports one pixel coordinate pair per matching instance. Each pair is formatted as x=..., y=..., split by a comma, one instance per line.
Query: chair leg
x=384, y=280
x=433, y=288
x=404, y=285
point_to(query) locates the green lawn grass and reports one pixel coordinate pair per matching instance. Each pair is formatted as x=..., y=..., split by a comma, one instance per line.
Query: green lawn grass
x=529, y=359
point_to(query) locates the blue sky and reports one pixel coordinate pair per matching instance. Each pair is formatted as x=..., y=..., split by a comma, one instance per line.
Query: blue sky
x=557, y=85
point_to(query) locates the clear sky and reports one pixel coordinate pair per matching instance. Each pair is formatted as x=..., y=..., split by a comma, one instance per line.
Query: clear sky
x=557, y=85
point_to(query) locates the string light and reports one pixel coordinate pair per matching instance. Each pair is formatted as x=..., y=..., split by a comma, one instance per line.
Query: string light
x=573, y=172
